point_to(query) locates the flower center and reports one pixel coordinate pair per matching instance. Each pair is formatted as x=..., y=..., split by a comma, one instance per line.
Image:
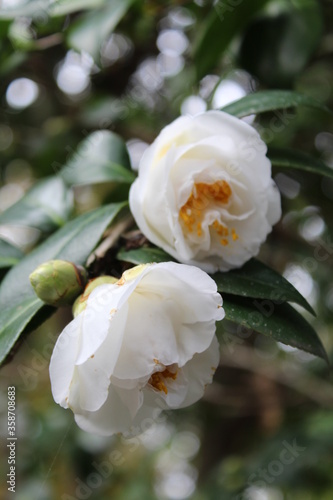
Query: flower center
x=157, y=380
x=202, y=196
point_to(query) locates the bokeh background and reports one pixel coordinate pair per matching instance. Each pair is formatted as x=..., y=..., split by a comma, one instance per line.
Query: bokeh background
x=64, y=76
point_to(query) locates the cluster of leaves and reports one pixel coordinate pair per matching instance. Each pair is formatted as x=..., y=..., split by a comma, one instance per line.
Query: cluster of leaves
x=102, y=158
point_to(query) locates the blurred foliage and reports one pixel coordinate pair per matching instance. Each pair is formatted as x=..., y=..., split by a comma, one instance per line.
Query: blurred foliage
x=142, y=64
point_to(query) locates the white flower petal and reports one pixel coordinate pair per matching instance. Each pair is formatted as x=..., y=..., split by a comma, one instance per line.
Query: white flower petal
x=132, y=399
x=103, y=306
x=274, y=207
x=172, y=325
x=111, y=418
x=93, y=376
x=176, y=390
x=89, y=387
x=199, y=371
x=205, y=149
x=95, y=324
x=149, y=335
x=146, y=417
x=63, y=360
x=151, y=351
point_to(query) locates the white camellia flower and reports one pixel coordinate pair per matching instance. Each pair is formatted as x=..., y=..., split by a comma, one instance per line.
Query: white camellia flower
x=140, y=345
x=205, y=193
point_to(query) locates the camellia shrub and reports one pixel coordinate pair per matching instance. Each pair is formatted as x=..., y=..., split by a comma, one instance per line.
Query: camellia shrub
x=156, y=207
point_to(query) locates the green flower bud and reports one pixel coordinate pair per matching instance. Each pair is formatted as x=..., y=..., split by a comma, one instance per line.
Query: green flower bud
x=58, y=282
x=81, y=302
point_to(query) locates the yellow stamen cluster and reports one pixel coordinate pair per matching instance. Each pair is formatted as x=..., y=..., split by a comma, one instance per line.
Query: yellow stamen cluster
x=204, y=195
x=157, y=380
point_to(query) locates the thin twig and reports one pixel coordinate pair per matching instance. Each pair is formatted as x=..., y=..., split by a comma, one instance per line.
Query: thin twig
x=114, y=234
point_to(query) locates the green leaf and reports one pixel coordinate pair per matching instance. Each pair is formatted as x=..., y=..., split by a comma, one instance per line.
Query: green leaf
x=270, y=100
x=4, y=26
x=256, y=280
x=21, y=37
x=144, y=255
x=74, y=242
x=14, y=320
x=32, y=8
x=263, y=50
x=289, y=158
x=102, y=109
x=11, y=62
x=101, y=157
x=221, y=26
x=90, y=31
x=9, y=254
x=68, y=6
x=42, y=9
x=281, y=322
x=46, y=206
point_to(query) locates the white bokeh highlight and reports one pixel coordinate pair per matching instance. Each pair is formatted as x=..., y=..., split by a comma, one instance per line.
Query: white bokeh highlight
x=21, y=93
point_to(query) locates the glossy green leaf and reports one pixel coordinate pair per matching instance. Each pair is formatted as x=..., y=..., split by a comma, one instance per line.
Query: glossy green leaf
x=256, y=280
x=9, y=254
x=270, y=100
x=144, y=255
x=101, y=157
x=75, y=241
x=222, y=24
x=13, y=321
x=289, y=158
x=90, y=31
x=281, y=322
x=46, y=206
